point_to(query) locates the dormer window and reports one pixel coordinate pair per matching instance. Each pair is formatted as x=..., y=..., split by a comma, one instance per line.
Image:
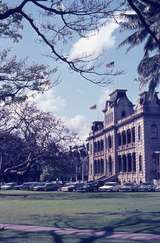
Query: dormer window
x=123, y=114
x=154, y=131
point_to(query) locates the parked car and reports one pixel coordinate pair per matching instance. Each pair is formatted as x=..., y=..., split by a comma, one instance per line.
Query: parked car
x=18, y=187
x=39, y=187
x=51, y=186
x=8, y=186
x=28, y=185
x=110, y=187
x=157, y=189
x=147, y=187
x=68, y=188
x=128, y=187
x=88, y=187
x=46, y=186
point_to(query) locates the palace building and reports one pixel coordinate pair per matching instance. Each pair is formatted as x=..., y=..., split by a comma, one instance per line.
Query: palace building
x=126, y=145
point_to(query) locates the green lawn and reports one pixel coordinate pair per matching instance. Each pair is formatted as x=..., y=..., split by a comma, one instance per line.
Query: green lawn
x=132, y=212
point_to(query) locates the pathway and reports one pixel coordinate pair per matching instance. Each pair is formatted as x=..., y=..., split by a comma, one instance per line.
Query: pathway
x=84, y=232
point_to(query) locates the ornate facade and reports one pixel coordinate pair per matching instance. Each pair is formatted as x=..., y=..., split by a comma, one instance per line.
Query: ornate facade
x=126, y=145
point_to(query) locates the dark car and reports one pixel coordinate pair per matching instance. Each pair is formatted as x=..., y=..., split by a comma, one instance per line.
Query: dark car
x=128, y=187
x=46, y=186
x=18, y=187
x=51, y=186
x=89, y=187
x=146, y=187
x=39, y=187
x=28, y=185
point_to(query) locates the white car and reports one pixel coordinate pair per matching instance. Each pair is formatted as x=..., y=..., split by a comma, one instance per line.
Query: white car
x=68, y=188
x=109, y=187
x=8, y=186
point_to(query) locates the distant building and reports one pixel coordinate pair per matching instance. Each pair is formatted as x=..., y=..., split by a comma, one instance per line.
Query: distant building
x=126, y=145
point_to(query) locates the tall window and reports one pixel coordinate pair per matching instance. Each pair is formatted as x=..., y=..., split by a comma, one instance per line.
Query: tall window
x=102, y=166
x=91, y=169
x=124, y=163
x=98, y=165
x=139, y=132
x=95, y=147
x=110, y=164
x=133, y=134
x=95, y=167
x=119, y=164
x=154, y=131
x=134, y=161
x=119, y=139
x=129, y=159
x=106, y=165
x=102, y=145
x=123, y=137
x=128, y=136
x=106, y=143
x=140, y=162
x=91, y=148
x=98, y=146
x=109, y=141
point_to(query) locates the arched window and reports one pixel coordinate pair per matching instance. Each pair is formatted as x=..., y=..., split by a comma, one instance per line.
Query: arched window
x=95, y=167
x=91, y=169
x=129, y=160
x=90, y=148
x=140, y=162
x=133, y=134
x=95, y=147
x=134, y=161
x=98, y=146
x=106, y=143
x=102, y=166
x=123, y=114
x=128, y=136
x=110, y=164
x=119, y=139
x=109, y=141
x=119, y=164
x=154, y=131
x=124, y=163
x=123, y=137
x=139, y=132
x=102, y=145
x=99, y=166
x=106, y=165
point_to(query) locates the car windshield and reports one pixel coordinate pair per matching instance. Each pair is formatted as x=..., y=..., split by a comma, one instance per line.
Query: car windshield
x=110, y=183
x=41, y=184
x=146, y=184
x=128, y=184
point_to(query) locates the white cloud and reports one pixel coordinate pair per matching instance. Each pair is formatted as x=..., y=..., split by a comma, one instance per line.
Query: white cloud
x=79, y=125
x=95, y=42
x=104, y=96
x=49, y=102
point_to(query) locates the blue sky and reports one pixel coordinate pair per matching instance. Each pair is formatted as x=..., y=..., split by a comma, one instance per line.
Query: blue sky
x=72, y=98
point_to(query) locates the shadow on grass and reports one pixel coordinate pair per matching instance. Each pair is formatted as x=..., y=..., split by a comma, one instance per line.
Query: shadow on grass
x=135, y=222
x=21, y=195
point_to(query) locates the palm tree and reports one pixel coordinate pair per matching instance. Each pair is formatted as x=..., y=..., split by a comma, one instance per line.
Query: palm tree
x=144, y=23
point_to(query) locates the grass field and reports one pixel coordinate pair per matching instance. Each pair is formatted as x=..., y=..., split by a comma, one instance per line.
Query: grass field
x=131, y=212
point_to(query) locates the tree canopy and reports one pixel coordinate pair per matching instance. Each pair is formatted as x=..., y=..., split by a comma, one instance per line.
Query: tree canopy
x=57, y=22
x=30, y=138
